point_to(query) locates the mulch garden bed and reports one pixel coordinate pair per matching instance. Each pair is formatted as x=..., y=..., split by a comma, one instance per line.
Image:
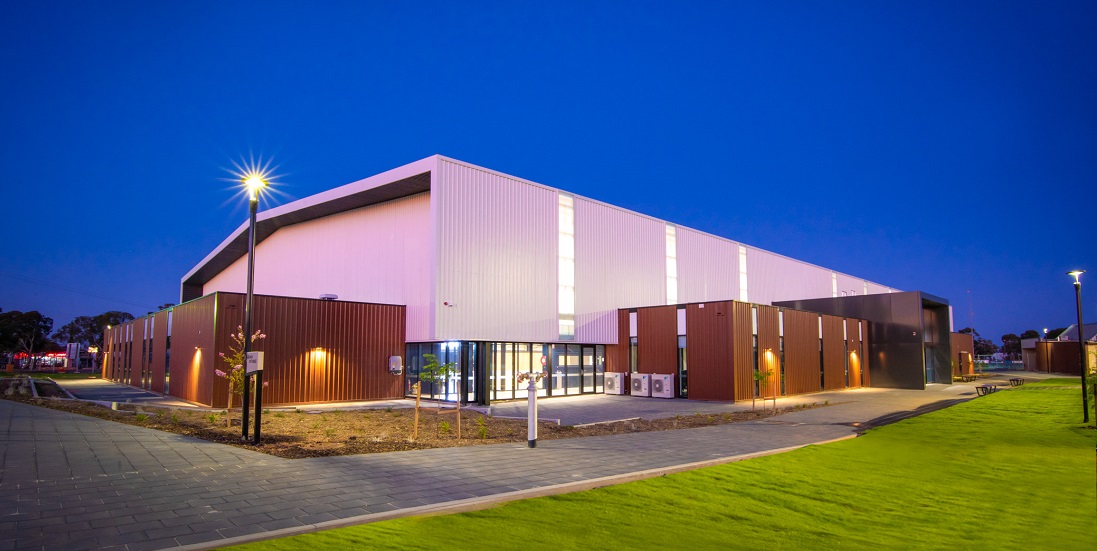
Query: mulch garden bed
x=299, y=433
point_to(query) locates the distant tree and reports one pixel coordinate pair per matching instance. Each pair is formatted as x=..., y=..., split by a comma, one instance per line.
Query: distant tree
x=983, y=347
x=88, y=330
x=1054, y=333
x=1030, y=334
x=25, y=332
x=1011, y=345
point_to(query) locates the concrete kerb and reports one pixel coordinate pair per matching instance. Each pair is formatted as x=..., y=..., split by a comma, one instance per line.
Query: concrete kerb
x=486, y=502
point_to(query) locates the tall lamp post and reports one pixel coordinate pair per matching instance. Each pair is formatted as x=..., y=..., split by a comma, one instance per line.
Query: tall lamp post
x=253, y=183
x=1081, y=341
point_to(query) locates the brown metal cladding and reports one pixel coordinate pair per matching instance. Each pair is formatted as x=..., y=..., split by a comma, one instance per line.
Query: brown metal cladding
x=801, y=352
x=865, y=367
x=769, y=347
x=159, y=350
x=193, y=354
x=137, y=352
x=960, y=343
x=742, y=350
x=617, y=356
x=834, y=353
x=317, y=350
x=856, y=354
x=708, y=351
x=657, y=340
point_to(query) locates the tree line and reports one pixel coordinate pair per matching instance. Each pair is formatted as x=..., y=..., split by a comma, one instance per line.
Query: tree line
x=30, y=332
x=1011, y=343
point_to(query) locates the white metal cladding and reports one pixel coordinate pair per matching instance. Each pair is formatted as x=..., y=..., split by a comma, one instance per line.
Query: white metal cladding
x=496, y=256
x=708, y=267
x=378, y=253
x=876, y=288
x=620, y=261
x=850, y=286
x=772, y=277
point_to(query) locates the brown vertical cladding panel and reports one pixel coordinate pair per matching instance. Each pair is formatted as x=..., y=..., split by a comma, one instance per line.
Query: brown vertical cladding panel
x=159, y=350
x=801, y=352
x=617, y=356
x=962, y=343
x=106, y=353
x=316, y=350
x=657, y=339
x=708, y=351
x=865, y=340
x=834, y=353
x=853, y=344
x=137, y=352
x=769, y=348
x=193, y=355
x=742, y=350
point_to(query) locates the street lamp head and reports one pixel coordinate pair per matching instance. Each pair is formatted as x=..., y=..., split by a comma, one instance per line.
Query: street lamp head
x=254, y=182
x=1076, y=273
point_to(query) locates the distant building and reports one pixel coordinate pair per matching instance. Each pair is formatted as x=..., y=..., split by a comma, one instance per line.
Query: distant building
x=1060, y=355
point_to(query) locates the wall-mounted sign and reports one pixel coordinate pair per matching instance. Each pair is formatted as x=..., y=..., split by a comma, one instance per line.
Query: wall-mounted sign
x=254, y=362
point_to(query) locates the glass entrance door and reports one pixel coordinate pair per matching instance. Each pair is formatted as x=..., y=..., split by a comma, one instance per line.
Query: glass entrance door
x=588, y=369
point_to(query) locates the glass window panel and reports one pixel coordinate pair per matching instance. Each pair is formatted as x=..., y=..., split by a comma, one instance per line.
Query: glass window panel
x=567, y=272
x=567, y=246
x=567, y=300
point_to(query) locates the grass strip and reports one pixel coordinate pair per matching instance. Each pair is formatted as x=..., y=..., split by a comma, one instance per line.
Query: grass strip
x=1013, y=470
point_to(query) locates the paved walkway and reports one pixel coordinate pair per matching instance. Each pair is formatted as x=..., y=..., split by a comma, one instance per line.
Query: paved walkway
x=74, y=482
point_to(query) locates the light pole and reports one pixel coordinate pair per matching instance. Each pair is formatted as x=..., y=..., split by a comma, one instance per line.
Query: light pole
x=1081, y=341
x=253, y=182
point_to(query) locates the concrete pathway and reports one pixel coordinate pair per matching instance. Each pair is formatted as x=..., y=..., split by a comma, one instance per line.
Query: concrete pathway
x=73, y=482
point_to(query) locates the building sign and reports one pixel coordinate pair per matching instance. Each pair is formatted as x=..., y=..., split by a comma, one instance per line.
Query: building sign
x=255, y=362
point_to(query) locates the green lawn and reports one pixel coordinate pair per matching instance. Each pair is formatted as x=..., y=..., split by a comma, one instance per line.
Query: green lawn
x=1013, y=470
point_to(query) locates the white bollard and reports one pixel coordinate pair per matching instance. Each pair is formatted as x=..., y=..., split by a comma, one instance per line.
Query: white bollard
x=531, y=433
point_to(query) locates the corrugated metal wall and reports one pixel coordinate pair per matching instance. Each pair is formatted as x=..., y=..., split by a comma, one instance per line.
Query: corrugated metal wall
x=159, y=349
x=193, y=351
x=849, y=285
x=657, y=340
x=856, y=354
x=772, y=277
x=742, y=350
x=769, y=340
x=620, y=261
x=496, y=256
x=318, y=351
x=137, y=352
x=709, y=342
x=381, y=253
x=801, y=352
x=834, y=353
x=708, y=268
x=617, y=355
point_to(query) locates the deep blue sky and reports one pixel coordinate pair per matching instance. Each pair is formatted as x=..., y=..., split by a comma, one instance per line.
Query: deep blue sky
x=944, y=147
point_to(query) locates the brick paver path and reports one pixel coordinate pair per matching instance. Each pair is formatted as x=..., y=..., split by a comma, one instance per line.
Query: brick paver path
x=74, y=482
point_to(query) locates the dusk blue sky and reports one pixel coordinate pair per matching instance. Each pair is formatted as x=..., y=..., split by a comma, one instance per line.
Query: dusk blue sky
x=934, y=146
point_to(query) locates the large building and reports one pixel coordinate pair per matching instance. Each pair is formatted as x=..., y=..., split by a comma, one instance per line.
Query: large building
x=499, y=274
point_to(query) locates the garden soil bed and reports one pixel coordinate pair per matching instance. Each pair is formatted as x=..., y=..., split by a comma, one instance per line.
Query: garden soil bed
x=297, y=433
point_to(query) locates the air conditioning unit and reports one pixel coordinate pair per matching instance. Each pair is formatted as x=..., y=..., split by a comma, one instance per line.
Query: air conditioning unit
x=641, y=384
x=662, y=386
x=615, y=383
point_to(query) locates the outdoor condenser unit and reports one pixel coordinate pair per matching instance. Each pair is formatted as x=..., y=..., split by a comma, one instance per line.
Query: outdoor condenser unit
x=662, y=386
x=641, y=384
x=615, y=383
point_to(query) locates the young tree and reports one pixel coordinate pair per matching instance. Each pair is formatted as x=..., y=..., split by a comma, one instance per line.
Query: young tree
x=236, y=360
x=434, y=372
